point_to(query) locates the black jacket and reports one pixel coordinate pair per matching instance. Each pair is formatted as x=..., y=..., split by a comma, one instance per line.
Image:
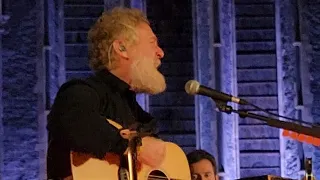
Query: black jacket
x=77, y=120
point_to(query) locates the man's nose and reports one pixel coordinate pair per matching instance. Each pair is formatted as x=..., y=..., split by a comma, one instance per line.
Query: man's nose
x=160, y=53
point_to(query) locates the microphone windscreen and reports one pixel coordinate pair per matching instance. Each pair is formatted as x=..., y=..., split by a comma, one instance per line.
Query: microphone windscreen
x=192, y=87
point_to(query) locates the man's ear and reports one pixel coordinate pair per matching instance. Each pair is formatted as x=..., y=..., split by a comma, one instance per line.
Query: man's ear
x=120, y=48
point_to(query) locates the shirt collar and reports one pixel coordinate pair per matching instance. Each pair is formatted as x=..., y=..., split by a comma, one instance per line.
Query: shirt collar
x=112, y=80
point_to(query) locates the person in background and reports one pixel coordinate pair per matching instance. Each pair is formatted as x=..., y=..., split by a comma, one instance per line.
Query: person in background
x=202, y=165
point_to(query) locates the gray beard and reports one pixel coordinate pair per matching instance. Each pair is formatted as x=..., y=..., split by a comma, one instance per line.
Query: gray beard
x=146, y=78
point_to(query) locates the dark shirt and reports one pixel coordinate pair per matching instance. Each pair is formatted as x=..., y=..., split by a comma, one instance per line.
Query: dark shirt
x=75, y=122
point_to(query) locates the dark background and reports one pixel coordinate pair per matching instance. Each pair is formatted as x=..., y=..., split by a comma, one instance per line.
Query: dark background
x=267, y=51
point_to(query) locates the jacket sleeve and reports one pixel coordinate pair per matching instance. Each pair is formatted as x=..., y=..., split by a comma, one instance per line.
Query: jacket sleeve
x=76, y=113
x=147, y=123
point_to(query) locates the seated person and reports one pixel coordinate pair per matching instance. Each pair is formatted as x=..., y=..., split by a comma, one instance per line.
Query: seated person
x=202, y=165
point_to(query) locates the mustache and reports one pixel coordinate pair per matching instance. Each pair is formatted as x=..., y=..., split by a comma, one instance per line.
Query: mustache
x=157, y=63
x=146, y=76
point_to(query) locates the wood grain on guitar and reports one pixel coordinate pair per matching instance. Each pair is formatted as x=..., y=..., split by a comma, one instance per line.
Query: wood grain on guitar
x=174, y=167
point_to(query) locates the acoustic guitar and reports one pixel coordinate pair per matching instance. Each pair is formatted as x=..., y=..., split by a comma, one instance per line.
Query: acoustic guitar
x=174, y=167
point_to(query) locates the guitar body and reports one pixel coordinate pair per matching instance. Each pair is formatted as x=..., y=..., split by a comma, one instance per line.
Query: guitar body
x=174, y=166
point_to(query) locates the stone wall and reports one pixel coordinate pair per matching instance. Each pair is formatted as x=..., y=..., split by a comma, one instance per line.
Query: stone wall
x=229, y=137
x=311, y=16
x=21, y=52
x=3, y=31
x=34, y=65
x=287, y=76
x=204, y=67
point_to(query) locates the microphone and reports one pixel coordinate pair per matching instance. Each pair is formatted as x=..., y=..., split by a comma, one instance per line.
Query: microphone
x=193, y=87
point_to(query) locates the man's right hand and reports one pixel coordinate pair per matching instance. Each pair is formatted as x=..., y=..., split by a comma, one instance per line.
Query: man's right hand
x=152, y=152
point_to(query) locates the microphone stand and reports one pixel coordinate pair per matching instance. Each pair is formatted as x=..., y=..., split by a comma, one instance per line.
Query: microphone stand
x=311, y=131
x=135, y=141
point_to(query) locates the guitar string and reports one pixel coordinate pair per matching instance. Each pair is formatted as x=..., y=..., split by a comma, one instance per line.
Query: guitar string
x=161, y=178
x=155, y=177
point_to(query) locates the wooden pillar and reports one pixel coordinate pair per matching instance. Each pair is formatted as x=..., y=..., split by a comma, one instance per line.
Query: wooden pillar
x=204, y=72
x=286, y=71
x=228, y=71
x=310, y=62
x=50, y=69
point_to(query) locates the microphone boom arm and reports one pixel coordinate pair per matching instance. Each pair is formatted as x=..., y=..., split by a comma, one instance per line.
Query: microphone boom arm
x=310, y=131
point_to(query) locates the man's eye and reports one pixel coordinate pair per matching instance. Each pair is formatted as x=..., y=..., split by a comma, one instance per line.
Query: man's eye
x=194, y=176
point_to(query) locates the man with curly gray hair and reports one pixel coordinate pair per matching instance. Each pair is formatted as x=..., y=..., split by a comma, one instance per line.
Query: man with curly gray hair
x=123, y=41
x=124, y=55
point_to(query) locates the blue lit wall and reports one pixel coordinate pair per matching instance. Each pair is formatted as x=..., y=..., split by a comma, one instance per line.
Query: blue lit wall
x=311, y=15
x=41, y=47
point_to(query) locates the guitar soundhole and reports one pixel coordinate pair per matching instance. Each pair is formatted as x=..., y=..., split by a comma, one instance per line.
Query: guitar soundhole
x=157, y=175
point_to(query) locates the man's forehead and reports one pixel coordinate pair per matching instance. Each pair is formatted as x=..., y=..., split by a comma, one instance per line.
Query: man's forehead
x=145, y=30
x=203, y=164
